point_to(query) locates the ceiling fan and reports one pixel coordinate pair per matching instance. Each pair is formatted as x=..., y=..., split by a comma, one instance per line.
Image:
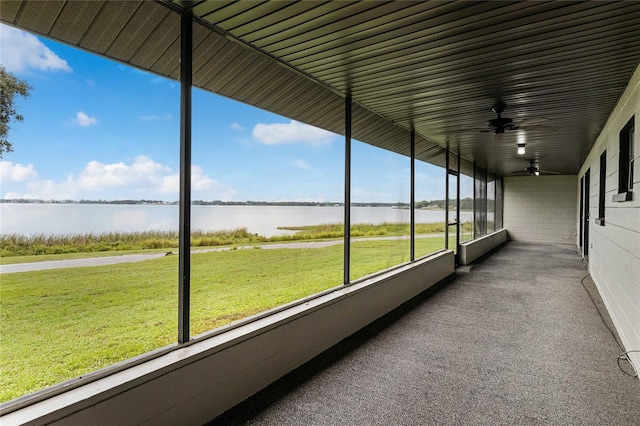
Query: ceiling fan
x=534, y=170
x=499, y=125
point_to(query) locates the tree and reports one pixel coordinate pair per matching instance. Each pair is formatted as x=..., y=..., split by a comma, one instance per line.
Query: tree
x=10, y=86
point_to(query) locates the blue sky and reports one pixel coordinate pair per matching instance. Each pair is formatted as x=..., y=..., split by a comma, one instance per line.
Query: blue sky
x=97, y=129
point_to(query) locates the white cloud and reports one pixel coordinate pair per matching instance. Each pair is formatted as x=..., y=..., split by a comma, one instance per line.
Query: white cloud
x=301, y=164
x=22, y=51
x=10, y=172
x=84, y=120
x=291, y=133
x=199, y=182
x=156, y=117
x=48, y=190
x=143, y=178
x=142, y=172
x=236, y=126
x=159, y=80
x=223, y=191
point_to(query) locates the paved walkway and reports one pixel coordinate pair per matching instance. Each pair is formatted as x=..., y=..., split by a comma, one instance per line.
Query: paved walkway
x=75, y=263
x=130, y=258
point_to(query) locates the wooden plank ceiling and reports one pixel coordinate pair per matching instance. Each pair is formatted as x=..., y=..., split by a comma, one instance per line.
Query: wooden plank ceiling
x=437, y=67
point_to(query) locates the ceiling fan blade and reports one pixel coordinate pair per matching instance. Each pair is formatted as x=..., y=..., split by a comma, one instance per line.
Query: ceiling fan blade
x=548, y=172
x=540, y=127
x=530, y=121
x=463, y=131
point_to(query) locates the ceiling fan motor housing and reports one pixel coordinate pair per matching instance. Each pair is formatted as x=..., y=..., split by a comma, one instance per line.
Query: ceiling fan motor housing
x=499, y=124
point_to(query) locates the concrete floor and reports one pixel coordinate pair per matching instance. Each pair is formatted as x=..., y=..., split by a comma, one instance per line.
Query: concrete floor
x=513, y=339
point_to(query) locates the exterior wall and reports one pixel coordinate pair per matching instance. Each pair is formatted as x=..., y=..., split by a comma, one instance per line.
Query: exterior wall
x=195, y=383
x=541, y=209
x=614, y=248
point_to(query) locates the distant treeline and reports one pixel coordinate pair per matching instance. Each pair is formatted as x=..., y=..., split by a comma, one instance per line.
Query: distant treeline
x=36, y=201
x=465, y=203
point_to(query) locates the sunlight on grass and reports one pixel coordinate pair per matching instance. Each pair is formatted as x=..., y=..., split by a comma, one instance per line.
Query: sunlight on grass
x=63, y=323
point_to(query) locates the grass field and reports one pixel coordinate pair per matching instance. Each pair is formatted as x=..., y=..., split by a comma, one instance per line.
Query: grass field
x=60, y=324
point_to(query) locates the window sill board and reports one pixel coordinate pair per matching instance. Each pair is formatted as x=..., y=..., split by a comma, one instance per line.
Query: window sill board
x=623, y=196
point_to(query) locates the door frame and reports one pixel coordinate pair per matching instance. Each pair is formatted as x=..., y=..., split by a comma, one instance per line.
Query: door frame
x=585, y=182
x=447, y=223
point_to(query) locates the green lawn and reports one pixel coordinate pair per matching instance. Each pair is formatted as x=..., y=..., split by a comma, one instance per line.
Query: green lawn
x=60, y=324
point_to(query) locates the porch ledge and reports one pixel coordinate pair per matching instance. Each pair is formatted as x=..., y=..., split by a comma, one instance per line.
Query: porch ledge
x=471, y=250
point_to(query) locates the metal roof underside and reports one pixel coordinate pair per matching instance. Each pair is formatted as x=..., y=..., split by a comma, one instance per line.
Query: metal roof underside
x=437, y=67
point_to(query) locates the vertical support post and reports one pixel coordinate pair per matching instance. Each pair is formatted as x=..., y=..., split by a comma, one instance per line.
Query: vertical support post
x=501, y=202
x=446, y=200
x=458, y=206
x=184, y=243
x=475, y=190
x=581, y=227
x=413, y=196
x=347, y=189
x=485, y=203
x=495, y=201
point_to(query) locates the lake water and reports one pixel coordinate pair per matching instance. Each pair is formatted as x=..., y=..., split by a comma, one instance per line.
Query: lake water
x=29, y=219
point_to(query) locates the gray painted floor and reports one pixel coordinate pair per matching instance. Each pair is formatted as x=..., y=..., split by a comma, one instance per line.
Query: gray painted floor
x=512, y=340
